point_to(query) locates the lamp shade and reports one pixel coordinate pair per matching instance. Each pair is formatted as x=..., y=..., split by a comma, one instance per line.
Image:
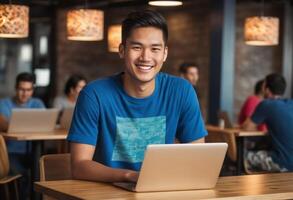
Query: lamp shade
x=14, y=21
x=114, y=37
x=85, y=25
x=261, y=31
x=165, y=3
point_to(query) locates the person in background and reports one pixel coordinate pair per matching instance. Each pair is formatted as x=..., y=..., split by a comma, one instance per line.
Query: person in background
x=116, y=117
x=19, y=150
x=73, y=86
x=250, y=104
x=277, y=113
x=190, y=72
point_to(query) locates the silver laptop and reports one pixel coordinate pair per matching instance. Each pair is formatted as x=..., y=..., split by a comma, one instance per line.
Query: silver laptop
x=66, y=117
x=33, y=120
x=179, y=167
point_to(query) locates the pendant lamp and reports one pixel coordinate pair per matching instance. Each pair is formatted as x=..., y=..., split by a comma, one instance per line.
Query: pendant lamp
x=14, y=21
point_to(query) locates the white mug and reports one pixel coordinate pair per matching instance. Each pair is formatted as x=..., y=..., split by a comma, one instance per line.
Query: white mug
x=221, y=123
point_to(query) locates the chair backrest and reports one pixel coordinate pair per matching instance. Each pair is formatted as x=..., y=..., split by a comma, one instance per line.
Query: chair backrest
x=219, y=135
x=4, y=161
x=55, y=167
x=224, y=115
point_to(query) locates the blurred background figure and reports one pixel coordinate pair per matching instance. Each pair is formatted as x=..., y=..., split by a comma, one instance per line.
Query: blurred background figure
x=190, y=72
x=19, y=151
x=251, y=103
x=277, y=113
x=24, y=88
x=73, y=86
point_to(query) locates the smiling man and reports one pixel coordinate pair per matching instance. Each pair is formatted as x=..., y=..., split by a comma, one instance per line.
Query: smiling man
x=118, y=116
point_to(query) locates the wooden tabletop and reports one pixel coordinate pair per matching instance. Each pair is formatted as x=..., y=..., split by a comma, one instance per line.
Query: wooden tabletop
x=236, y=131
x=264, y=186
x=58, y=134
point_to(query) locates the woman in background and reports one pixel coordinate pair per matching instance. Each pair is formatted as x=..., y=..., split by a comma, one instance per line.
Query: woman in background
x=251, y=103
x=247, y=110
x=73, y=86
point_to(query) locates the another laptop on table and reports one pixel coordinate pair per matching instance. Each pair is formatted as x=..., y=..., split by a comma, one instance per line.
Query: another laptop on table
x=33, y=120
x=66, y=117
x=169, y=167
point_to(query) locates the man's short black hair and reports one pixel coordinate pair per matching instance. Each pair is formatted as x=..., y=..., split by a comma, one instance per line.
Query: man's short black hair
x=25, y=77
x=258, y=87
x=146, y=18
x=184, y=67
x=276, y=83
x=72, y=82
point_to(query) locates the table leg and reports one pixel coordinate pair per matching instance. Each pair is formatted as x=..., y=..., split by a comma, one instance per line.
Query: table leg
x=35, y=175
x=240, y=156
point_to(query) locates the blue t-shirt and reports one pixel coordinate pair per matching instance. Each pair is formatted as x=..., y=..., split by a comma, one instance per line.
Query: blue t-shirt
x=277, y=114
x=6, y=106
x=121, y=126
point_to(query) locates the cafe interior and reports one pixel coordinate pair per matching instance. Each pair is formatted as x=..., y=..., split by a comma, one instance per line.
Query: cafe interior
x=232, y=43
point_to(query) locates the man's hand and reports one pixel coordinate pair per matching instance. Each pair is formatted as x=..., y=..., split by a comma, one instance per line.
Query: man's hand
x=201, y=140
x=83, y=167
x=132, y=176
x=249, y=125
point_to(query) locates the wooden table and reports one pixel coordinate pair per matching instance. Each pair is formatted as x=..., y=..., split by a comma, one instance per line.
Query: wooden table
x=239, y=134
x=264, y=186
x=37, y=139
x=58, y=134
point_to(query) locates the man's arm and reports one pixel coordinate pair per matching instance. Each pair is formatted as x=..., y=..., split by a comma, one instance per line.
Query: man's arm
x=3, y=123
x=201, y=140
x=83, y=167
x=249, y=124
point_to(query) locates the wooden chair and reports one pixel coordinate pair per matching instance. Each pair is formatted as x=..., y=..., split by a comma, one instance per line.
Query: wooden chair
x=222, y=135
x=6, y=179
x=55, y=167
x=219, y=135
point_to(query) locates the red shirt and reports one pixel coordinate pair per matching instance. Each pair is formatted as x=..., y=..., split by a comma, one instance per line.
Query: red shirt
x=247, y=110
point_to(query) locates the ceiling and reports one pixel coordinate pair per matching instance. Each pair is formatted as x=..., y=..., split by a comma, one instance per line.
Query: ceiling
x=109, y=3
x=90, y=3
x=43, y=8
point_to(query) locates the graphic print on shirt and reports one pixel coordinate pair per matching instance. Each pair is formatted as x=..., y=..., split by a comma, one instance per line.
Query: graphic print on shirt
x=134, y=134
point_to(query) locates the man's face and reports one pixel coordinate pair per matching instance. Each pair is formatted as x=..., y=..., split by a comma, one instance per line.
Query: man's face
x=192, y=75
x=24, y=91
x=144, y=54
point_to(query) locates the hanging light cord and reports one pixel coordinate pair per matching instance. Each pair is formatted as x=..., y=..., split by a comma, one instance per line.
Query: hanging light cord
x=86, y=4
x=262, y=8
